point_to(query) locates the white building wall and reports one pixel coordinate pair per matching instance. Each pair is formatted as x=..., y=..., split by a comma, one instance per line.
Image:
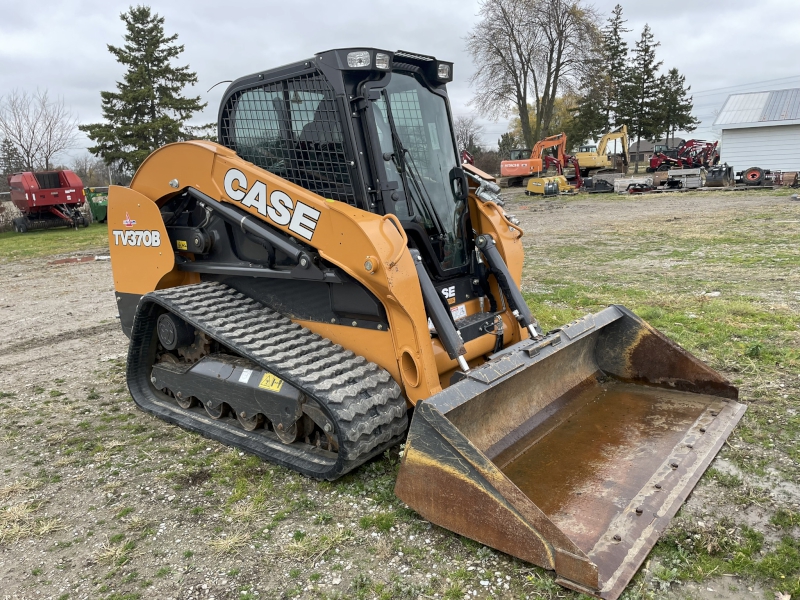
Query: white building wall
x=776, y=147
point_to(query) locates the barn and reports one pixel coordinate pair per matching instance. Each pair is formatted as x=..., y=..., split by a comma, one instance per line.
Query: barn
x=761, y=129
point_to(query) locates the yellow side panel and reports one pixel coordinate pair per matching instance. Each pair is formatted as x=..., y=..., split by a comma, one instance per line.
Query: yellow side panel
x=343, y=235
x=368, y=247
x=140, y=249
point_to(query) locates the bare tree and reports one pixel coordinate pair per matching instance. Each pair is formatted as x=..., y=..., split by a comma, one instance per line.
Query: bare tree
x=529, y=49
x=570, y=34
x=37, y=126
x=92, y=170
x=468, y=133
x=504, y=45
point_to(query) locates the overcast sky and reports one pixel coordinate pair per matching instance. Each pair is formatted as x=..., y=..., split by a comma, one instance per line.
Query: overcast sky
x=60, y=45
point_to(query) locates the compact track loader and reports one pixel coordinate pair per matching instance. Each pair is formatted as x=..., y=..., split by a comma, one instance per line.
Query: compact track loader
x=296, y=289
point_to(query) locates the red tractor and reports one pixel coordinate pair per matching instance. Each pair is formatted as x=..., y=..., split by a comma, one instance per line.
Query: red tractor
x=47, y=199
x=689, y=155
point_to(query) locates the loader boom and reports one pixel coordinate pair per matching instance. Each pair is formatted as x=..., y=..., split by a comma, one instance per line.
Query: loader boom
x=620, y=133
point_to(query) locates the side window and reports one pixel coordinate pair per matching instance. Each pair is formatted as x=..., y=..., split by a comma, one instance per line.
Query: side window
x=303, y=106
x=292, y=129
x=257, y=129
x=407, y=115
x=385, y=140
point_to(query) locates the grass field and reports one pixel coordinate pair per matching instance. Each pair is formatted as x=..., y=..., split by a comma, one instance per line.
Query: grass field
x=51, y=242
x=727, y=288
x=99, y=500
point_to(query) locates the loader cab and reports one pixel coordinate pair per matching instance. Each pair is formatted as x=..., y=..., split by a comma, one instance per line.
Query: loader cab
x=665, y=150
x=520, y=154
x=368, y=127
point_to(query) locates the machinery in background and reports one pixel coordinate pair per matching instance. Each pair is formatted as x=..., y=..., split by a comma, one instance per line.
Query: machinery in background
x=545, y=185
x=524, y=164
x=47, y=199
x=568, y=182
x=719, y=176
x=692, y=154
x=686, y=179
x=595, y=159
x=756, y=176
x=97, y=198
x=542, y=183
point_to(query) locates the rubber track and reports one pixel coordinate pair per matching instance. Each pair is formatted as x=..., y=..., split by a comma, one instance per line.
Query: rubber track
x=363, y=400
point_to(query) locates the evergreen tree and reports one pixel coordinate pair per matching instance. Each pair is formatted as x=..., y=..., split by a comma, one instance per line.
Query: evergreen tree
x=507, y=142
x=11, y=161
x=639, y=102
x=615, y=59
x=675, y=110
x=148, y=109
x=590, y=120
x=598, y=108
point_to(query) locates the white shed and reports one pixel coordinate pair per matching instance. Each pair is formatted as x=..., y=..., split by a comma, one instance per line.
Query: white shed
x=761, y=129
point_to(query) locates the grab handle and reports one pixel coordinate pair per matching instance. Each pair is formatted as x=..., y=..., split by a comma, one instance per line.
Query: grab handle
x=396, y=222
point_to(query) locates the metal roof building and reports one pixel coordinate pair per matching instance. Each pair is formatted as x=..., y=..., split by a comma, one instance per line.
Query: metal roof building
x=761, y=129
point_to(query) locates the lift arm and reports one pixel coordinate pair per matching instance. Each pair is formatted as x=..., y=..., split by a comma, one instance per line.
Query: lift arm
x=620, y=133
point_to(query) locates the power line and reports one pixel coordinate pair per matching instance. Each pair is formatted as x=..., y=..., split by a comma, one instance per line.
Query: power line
x=709, y=92
x=694, y=93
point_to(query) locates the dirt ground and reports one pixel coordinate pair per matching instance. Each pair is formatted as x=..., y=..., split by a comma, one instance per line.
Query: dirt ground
x=99, y=500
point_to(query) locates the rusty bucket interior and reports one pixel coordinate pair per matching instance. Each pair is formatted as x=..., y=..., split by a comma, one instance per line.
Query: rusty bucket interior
x=572, y=452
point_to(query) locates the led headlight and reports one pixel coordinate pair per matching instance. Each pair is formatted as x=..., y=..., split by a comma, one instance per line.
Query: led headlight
x=359, y=58
x=381, y=61
x=444, y=71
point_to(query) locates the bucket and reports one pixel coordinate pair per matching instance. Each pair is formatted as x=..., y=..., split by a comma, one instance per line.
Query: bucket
x=572, y=452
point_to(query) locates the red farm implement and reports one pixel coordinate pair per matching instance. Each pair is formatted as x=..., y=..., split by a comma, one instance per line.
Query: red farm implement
x=47, y=199
x=689, y=155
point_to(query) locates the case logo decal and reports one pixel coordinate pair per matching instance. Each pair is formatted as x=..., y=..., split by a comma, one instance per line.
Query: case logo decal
x=280, y=209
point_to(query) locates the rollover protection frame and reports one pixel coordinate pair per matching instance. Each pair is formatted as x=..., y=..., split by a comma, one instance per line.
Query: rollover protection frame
x=573, y=451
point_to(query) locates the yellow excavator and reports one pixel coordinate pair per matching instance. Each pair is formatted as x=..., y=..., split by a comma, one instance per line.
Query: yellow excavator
x=327, y=269
x=595, y=159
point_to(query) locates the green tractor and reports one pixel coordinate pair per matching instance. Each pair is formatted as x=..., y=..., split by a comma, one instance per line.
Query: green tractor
x=97, y=197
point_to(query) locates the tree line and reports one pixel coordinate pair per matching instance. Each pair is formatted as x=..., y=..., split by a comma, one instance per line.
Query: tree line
x=146, y=111
x=555, y=67
x=550, y=63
